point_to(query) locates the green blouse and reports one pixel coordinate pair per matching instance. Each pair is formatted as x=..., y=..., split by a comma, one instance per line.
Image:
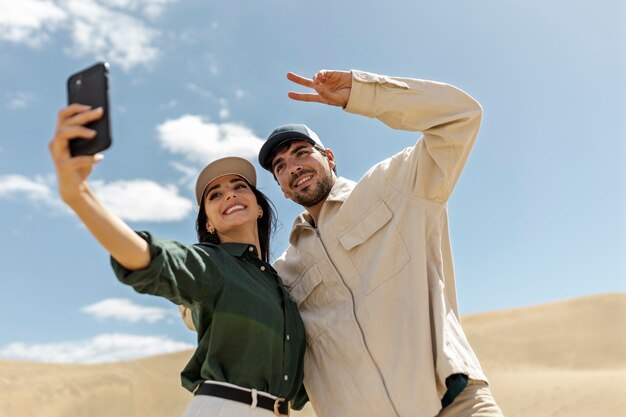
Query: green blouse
x=249, y=331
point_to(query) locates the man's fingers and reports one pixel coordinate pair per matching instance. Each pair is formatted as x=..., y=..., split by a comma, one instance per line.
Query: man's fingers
x=321, y=77
x=306, y=82
x=333, y=79
x=306, y=97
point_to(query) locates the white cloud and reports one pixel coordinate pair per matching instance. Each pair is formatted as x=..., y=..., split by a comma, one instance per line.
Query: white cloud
x=189, y=174
x=29, y=21
x=199, y=90
x=200, y=142
x=113, y=30
x=143, y=200
x=35, y=190
x=224, y=110
x=19, y=100
x=125, y=310
x=133, y=200
x=150, y=8
x=224, y=113
x=110, y=34
x=169, y=105
x=214, y=69
x=103, y=348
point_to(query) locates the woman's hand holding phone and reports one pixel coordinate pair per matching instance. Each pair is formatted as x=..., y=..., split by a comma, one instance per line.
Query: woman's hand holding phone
x=82, y=131
x=77, y=122
x=72, y=172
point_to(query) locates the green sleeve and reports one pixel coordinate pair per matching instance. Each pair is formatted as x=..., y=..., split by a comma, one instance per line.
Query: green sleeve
x=181, y=273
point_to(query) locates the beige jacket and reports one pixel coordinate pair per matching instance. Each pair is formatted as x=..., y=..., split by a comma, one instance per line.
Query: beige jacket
x=375, y=282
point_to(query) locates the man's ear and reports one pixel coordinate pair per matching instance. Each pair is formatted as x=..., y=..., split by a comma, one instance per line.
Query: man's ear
x=331, y=158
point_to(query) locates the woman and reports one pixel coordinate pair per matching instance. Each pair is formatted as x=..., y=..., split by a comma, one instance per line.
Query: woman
x=250, y=337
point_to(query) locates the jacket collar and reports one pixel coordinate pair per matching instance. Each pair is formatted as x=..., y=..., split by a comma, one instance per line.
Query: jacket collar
x=338, y=194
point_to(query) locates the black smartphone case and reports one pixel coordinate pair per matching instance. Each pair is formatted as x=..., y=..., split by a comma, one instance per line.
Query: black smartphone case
x=91, y=87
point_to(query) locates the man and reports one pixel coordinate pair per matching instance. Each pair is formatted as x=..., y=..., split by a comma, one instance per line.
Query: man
x=369, y=263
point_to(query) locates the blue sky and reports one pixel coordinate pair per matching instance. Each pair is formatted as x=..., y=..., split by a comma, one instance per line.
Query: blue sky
x=537, y=216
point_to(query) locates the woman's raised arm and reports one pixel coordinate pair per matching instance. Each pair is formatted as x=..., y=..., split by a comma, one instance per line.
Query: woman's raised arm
x=114, y=235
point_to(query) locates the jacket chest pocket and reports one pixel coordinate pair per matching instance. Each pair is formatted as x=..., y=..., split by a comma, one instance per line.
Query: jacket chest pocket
x=315, y=303
x=375, y=247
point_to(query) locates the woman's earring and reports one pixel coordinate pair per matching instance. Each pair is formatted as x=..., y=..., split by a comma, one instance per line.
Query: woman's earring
x=260, y=213
x=211, y=229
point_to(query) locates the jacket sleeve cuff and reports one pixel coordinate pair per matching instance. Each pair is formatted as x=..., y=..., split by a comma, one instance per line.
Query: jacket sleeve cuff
x=362, y=93
x=364, y=90
x=130, y=277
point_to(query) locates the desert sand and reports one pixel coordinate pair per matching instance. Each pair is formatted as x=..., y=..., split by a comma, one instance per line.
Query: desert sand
x=565, y=359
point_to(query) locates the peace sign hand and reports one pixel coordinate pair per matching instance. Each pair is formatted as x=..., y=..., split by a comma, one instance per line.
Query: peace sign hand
x=331, y=87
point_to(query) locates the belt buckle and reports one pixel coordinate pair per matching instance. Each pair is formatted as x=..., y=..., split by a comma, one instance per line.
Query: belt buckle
x=277, y=404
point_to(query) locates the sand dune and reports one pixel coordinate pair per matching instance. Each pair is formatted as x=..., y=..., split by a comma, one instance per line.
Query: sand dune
x=560, y=359
x=564, y=359
x=146, y=387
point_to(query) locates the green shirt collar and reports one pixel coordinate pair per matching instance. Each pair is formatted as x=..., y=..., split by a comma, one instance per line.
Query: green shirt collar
x=239, y=249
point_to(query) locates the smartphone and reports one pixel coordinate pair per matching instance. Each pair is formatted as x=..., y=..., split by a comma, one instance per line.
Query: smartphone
x=91, y=87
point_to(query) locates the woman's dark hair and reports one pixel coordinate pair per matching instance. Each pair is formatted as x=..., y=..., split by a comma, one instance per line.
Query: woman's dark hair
x=266, y=225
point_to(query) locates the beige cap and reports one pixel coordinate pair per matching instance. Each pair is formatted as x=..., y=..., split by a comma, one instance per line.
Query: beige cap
x=224, y=166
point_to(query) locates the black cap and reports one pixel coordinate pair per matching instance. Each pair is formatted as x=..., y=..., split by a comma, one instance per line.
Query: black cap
x=282, y=134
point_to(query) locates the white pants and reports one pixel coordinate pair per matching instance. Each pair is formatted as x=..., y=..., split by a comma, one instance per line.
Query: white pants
x=209, y=406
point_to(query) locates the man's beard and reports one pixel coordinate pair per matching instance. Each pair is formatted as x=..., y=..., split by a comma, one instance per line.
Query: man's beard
x=324, y=185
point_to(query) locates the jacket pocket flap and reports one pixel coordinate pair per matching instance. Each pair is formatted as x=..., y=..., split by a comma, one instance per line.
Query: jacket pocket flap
x=371, y=222
x=306, y=284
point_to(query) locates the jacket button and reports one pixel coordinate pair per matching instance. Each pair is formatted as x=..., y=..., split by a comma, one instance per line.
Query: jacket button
x=262, y=268
x=286, y=378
